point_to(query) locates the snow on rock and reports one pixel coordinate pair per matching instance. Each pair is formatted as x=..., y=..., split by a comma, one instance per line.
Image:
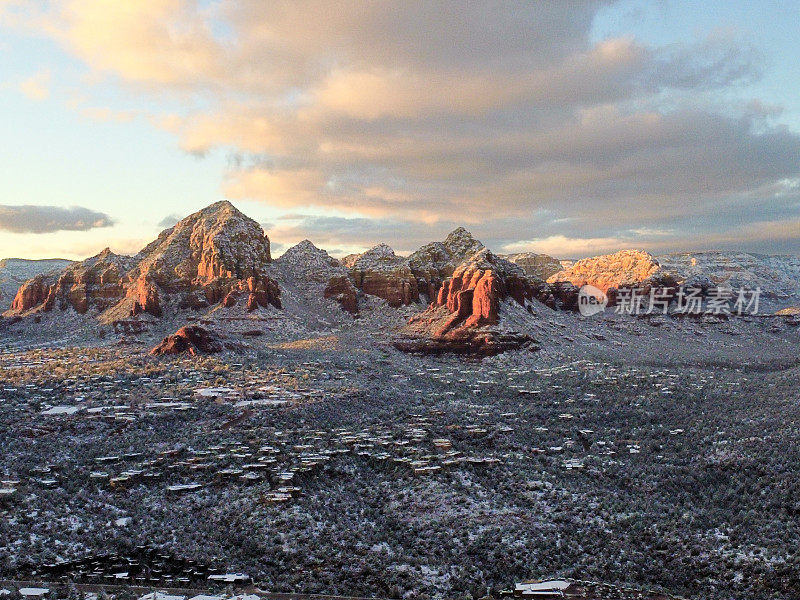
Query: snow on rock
x=536, y=266
x=778, y=276
x=623, y=269
x=213, y=255
x=380, y=272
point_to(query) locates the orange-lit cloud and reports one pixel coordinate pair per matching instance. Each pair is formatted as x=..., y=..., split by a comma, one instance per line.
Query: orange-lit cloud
x=433, y=113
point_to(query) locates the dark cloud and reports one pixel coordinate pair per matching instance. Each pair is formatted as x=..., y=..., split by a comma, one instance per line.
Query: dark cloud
x=47, y=219
x=508, y=118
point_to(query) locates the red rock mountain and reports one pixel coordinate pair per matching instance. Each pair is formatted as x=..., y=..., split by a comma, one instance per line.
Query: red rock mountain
x=381, y=273
x=435, y=262
x=611, y=272
x=214, y=255
x=192, y=340
x=402, y=281
x=468, y=307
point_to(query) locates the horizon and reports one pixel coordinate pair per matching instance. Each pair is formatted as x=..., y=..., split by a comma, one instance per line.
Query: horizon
x=571, y=130
x=283, y=248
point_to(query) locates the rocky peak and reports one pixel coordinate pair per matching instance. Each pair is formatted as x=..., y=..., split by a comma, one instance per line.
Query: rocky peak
x=96, y=282
x=216, y=242
x=311, y=267
x=380, y=272
x=623, y=269
x=436, y=261
x=461, y=243
x=306, y=246
x=309, y=261
x=538, y=267
x=381, y=258
x=467, y=308
x=214, y=254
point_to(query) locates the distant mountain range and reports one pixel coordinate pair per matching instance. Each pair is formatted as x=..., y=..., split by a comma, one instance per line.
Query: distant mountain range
x=455, y=295
x=16, y=271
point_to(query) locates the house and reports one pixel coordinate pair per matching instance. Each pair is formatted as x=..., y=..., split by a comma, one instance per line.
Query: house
x=228, y=578
x=33, y=592
x=553, y=588
x=161, y=596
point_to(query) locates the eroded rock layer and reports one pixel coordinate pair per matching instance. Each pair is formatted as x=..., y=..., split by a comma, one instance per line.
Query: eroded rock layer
x=192, y=340
x=379, y=272
x=626, y=269
x=466, y=315
x=214, y=255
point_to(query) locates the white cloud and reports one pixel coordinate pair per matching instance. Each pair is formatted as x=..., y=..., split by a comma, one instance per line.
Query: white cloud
x=432, y=112
x=37, y=87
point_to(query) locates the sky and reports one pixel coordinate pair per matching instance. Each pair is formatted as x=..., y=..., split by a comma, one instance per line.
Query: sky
x=569, y=128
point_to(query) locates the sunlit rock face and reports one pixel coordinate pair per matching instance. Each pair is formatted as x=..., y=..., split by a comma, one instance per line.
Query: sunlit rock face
x=211, y=256
x=626, y=269
x=437, y=261
x=466, y=316
x=96, y=283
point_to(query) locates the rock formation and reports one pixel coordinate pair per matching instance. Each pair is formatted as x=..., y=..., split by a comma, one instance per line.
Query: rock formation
x=16, y=271
x=468, y=306
x=380, y=272
x=536, y=266
x=214, y=255
x=318, y=273
x=191, y=339
x=96, y=283
x=778, y=276
x=341, y=289
x=435, y=262
x=625, y=269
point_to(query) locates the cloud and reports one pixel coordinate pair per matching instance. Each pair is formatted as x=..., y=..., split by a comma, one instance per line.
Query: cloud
x=37, y=87
x=48, y=219
x=510, y=119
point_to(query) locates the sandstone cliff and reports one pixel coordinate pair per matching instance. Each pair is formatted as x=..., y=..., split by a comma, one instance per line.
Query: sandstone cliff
x=435, y=262
x=467, y=309
x=380, y=272
x=611, y=272
x=214, y=255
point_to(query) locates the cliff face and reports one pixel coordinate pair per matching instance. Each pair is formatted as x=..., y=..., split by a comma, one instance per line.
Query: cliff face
x=211, y=255
x=473, y=294
x=536, y=266
x=94, y=283
x=218, y=242
x=624, y=269
x=16, y=271
x=402, y=281
x=381, y=273
x=468, y=309
x=435, y=262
